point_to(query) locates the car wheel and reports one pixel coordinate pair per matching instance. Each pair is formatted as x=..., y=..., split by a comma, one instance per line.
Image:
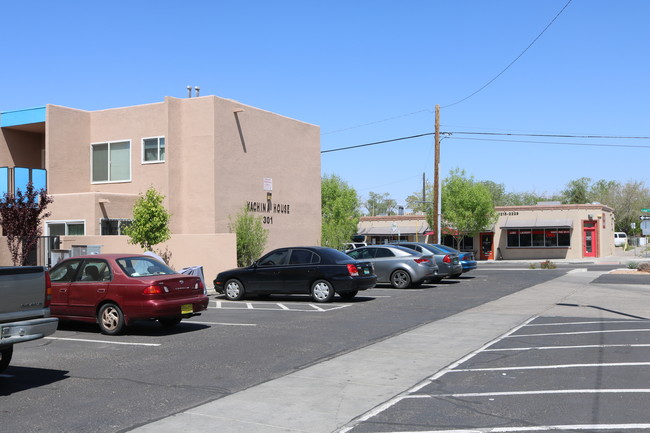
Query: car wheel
x=234, y=290
x=322, y=291
x=110, y=319
x=170, y=323
x=400, y=279
x=5, y=357
x=349, y=295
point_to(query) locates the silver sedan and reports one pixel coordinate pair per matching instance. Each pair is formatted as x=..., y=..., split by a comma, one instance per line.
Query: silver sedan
x=399, y=266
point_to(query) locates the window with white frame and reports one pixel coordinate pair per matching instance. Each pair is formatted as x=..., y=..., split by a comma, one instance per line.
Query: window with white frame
x=153, y=150
x=111, y=161
x=66, y=228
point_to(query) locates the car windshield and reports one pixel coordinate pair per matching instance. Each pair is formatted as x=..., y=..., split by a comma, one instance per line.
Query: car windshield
x=143, y=267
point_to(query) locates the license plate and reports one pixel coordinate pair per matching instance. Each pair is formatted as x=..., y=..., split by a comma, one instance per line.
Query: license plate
x=187, y=308
x=366, y=271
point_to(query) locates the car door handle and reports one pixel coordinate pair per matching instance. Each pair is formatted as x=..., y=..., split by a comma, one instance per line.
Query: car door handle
x=63, y=290
x=101, y=290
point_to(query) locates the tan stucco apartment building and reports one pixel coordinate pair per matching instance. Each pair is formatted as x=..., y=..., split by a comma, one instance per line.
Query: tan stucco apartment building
x=545, y=231
x=208, y=156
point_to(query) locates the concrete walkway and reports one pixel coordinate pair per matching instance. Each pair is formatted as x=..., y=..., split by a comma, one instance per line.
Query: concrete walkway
x=326, y=397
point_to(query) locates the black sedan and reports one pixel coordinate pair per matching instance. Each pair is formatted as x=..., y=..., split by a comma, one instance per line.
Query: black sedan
x=318, y=271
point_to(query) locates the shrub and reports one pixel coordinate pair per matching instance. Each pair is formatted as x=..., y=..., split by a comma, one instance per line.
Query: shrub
x=632, y=265
x=547, y=264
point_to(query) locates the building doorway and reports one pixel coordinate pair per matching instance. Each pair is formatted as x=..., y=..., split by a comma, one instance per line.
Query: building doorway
x=487, y=252
x=589, y=239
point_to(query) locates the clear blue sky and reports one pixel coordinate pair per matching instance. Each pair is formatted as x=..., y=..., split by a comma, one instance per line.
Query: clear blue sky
x=366, y=71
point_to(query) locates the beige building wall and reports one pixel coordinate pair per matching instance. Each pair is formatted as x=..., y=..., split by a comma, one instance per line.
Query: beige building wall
x=221, y=156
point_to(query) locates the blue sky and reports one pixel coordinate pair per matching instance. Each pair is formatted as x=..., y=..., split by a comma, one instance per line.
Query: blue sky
x=367, y=71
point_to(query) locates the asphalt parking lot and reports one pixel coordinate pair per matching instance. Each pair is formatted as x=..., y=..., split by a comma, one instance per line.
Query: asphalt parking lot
x=550, y=374
x=564, y=355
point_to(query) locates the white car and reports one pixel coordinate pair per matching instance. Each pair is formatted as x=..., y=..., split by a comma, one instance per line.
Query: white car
x=620, y=239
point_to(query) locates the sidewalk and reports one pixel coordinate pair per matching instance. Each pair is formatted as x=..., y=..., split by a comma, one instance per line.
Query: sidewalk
x=326, y=397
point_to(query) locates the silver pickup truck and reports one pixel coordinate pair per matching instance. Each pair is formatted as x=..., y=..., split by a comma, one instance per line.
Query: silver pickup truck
x=25, y=294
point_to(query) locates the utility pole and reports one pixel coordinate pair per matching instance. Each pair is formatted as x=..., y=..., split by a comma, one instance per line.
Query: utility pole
x=436, y=179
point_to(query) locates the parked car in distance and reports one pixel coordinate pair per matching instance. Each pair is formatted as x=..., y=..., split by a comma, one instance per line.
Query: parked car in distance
x=448, y=263
x=399, y=266
x=319, y=271
x=115, y=290
x=467, y=260
x=620, y=239
x=352, y=245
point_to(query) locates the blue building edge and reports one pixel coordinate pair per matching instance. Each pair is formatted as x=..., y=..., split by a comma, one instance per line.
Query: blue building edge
x=22, y=117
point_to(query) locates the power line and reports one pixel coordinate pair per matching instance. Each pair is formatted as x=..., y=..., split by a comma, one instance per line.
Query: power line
x=513, y=62
x=376, y=142
x=465, y=98
x=553, y=135
x=451, y=135
x=556, y=142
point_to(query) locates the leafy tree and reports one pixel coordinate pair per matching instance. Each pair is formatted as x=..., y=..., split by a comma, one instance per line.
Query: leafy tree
x=576, y=191
x=150, y=224
x=21, y=216
x=340, y=206
x=380, y=204
x=627, y=203
x=251, y=236
x=467, y=205
x=417, y=203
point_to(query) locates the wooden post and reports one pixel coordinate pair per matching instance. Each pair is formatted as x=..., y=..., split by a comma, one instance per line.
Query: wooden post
x=436, y=179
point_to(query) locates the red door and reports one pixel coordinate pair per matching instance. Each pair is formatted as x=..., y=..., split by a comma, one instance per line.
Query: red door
x=589, y=239
x=487, y=252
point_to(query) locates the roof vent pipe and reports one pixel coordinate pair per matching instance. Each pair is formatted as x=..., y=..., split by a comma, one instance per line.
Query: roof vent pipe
x=189, y=91
x=196, y=89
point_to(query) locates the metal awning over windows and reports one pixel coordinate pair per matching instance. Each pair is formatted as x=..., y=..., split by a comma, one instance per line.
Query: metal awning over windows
x=389, y=230
x=536, y=223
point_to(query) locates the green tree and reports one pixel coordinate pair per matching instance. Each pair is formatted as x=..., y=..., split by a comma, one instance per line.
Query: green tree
x=467, y=206
x=150, y=224
x=21, y=216
x=340, y=207
x=251, y=236
x=380, y=204
x=577, y=191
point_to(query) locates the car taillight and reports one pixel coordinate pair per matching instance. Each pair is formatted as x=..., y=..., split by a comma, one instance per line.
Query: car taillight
x=447, y=259
x=153, y=290
x=199, y=285
x=421, y=260
x=48, y=290
x=352, y=269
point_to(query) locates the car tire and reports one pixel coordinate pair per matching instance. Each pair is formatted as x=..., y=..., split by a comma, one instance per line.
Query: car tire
x=170, y=323
x=322, y=291
x=5, y=357
x=400, y=279
x=110, y=319
x=349, y=295
x=234, y=290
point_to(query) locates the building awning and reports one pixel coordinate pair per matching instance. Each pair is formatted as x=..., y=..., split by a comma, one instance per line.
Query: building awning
x=536, y=223
x=388, y=230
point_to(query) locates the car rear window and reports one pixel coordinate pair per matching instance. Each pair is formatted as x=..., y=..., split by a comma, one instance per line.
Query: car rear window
x=143, y=267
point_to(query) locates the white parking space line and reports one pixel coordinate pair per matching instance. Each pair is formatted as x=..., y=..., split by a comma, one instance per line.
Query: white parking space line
x=585, y=346
x=222, y=323
x=567, y=427
x=277, y=306
x=590, y=322
x=554, y=367
x=578, y=333
x=541, y=392
x=284, y=307
x=103, y=341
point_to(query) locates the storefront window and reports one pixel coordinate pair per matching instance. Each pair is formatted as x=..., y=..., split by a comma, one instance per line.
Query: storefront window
x=551, y=237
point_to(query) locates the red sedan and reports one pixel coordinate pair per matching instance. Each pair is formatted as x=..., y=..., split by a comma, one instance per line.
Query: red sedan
x=115, y=290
